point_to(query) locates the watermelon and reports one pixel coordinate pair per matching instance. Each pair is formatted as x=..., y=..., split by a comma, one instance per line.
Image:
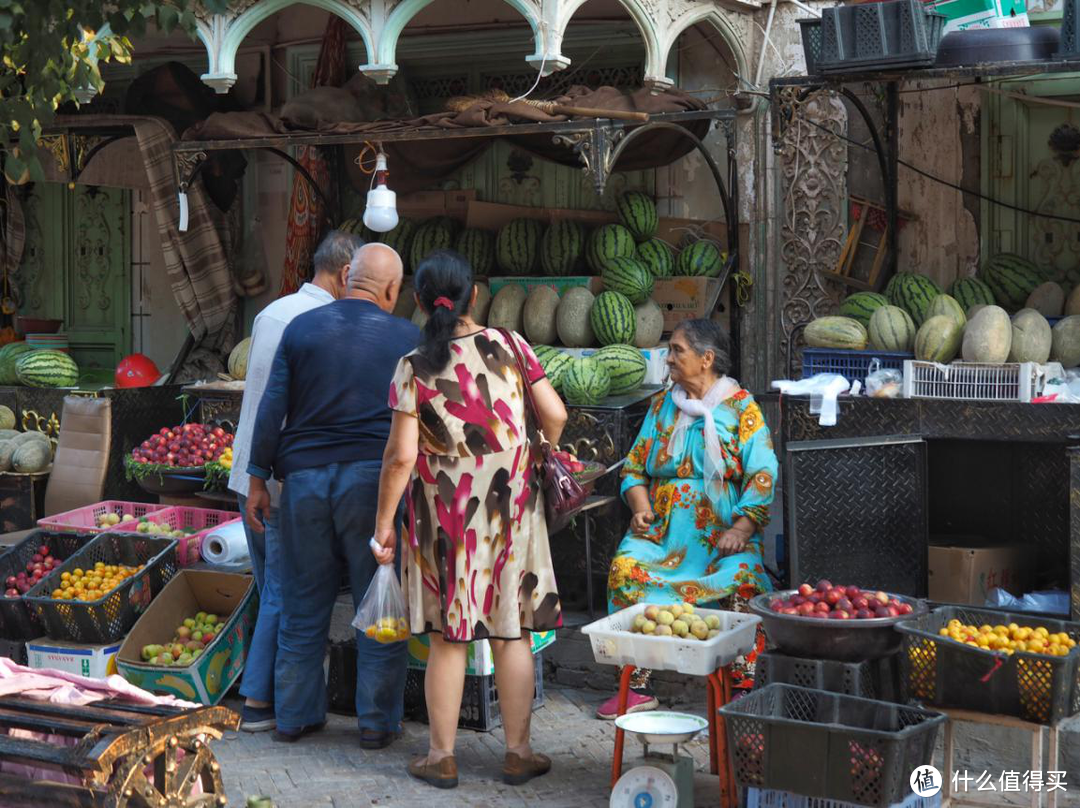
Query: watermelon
x=700, y=258
x=656, y=254
x=861, y=306
x=8, y=356
x=947, y=305
x=891, y=329
x=400, y=239
x=238, y=358
x=517, y=246
x=637, y=212
x=607, y=242
x=561, y=247
x=625, y=365
x=1011, y=278
x=970, y=292
x=478, y=247
x=613, y=318
x=572, y=318
x=585, y=381
x=938, y=339
x=554, y=366
x=913, y=293
x=836, y=332
x=47, y=369
x=434, y=234
x=630, y=277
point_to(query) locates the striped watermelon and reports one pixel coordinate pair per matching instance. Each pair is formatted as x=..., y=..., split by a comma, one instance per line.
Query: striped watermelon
x=561, y=247
x=637, y=212
x=913, y=292
x=970, y=292
x=656, y=254
x=606, y=242
x=478, y=247
x=700, y=258
x=1011, y=278
x=9, y=354
x=47, y=369
x=862, y=305
x=891, y=329
x=630, y=277
x=434, y=234
x=612, y=318
x=554, y=362
x=400, y=239
x=585, y=381
x=947, y=305
x=835, y=332
x=517, y=245
x=625, y=365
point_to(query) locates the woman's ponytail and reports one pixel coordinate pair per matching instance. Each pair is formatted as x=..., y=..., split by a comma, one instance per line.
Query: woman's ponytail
x=444, y=287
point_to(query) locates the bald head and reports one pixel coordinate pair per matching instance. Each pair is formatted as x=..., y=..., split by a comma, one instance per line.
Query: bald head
x=375, y=274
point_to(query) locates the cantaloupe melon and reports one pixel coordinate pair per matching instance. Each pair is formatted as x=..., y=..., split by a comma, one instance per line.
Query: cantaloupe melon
x=1065, y=342
x=572, y=318
x=7, y=449
x=538, y=316
x=506, y=308
x=1048, y=299
x=1031, y=337
x=1072, y=303
x=7, y=418
x=238, y=359
x=988, y=337
x=483, y=304
x=30, y=457
x=650, y=324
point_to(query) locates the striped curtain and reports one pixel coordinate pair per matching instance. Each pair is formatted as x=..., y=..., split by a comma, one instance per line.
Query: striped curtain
x=306, y=212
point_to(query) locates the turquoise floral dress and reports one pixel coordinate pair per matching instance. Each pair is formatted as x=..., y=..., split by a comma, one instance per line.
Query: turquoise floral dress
x=678, y=558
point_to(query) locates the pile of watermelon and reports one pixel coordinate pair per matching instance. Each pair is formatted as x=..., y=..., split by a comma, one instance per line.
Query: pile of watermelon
x=21, y=364
x=999, y=315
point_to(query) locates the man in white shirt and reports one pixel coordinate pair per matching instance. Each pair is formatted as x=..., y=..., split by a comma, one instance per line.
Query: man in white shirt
x=331, y=262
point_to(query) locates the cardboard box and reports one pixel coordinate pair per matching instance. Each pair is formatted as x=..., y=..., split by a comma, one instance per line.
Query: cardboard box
x=966, y=574
x=685, y=298
x=425, y=204
x=232, y=598
x=655, y=362
x=480, y=661
x=92, y=661
x=964, y=14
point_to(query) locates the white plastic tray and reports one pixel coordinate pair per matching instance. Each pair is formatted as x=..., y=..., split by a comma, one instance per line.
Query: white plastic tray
x=614, y=644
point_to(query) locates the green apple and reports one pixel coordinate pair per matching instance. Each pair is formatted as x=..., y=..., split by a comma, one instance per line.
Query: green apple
x=211, y=619
x=165, y=659
x=190, y=623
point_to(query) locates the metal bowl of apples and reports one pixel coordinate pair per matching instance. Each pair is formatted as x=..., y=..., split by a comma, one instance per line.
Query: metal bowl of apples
x=842, y=623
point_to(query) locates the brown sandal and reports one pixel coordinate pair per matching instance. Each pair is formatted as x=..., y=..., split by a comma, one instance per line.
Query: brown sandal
x=441, y=775
x=518, y=770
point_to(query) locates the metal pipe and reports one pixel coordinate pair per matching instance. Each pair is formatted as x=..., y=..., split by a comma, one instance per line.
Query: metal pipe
x=765, y=43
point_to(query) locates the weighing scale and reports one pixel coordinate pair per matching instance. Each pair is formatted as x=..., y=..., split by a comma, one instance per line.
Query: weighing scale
x=658, y=780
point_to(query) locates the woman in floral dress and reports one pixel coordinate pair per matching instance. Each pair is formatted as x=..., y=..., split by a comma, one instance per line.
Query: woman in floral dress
x=478, y=564
x=699, y=481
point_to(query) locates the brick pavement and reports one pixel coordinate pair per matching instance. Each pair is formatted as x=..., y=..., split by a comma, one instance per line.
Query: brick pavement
x=330, y=769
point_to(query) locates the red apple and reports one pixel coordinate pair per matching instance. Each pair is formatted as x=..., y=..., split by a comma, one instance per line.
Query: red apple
x=789, y=610
x=882, y=598
x=821, y=615
x=823, y=585
x=822, y=607
x=815, y=597
x=805, y=609
x=38, y=558
x=893, y=611
x=860, y=602
x=776, y=604
x=881, y=611
x=805, y=590
x=797, y=600
x=11, y=581
x=29, y=566
x=905, y=608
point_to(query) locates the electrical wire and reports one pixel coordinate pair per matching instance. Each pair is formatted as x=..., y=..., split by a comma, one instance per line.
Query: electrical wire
x=540, y=72
x=946, y=183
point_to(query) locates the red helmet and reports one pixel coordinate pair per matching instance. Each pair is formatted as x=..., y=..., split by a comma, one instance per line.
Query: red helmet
x=136, y=370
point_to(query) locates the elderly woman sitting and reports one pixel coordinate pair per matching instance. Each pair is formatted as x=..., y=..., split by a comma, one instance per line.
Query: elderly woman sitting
x=699, y=481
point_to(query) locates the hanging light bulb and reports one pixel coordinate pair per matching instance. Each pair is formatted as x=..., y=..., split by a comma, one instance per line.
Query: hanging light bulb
x=381, y=215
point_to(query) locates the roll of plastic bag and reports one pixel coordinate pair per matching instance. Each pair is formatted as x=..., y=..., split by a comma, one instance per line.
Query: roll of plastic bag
x=227, y=545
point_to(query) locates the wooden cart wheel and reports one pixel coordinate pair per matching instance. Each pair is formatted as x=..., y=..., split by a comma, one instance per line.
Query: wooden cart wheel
x=174, y=778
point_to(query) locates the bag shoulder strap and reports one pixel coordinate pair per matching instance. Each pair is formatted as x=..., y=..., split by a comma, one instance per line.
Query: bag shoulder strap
x=509, y=337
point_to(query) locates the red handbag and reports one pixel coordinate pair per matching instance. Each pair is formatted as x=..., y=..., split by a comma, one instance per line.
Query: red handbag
x=564, y=496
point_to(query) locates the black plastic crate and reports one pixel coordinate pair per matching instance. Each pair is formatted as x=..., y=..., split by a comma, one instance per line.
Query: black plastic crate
x=901, y=33
x=811, y=43
x=111, y=617
x=872, y=679
x=479, y=702
x=341, y=678
x=17, y=620
x=1038, y=688
x=15, y=650
x=828, y=745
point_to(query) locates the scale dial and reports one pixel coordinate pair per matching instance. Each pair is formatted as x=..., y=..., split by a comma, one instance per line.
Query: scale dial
x=645, y=787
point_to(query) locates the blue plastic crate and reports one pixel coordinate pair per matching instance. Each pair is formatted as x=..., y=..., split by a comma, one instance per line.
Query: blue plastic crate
x=851, y=365
x=765, y=798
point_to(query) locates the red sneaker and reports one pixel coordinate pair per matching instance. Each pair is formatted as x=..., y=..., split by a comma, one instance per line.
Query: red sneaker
x=635, y=703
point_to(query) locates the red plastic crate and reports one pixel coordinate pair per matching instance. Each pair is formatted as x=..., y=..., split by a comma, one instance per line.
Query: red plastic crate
x=202, y=520
x=84, y=520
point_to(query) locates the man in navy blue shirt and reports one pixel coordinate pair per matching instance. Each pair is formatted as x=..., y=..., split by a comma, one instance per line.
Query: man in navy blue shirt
x=322, y=426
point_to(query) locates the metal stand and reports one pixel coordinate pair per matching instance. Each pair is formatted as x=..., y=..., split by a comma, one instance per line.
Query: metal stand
x=718, y=685
x=948, y=797
x=592, y=503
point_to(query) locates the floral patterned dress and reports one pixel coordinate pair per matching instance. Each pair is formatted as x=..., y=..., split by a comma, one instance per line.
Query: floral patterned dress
x=478, y=563
x=678, y=558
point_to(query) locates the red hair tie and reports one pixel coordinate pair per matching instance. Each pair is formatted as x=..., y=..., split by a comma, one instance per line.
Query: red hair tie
x=445, y=302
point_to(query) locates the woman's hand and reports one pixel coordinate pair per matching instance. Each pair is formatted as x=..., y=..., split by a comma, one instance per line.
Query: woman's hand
x=734, y=540
x=641, y=521
x=386, y=538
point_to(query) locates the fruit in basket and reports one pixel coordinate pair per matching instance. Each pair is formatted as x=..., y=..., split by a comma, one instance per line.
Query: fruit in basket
x=184, y=446
x=94, y=583
x=1009, y=639
x=678, y=620
x=824, y=600
x=39, y=565
x=189, y=640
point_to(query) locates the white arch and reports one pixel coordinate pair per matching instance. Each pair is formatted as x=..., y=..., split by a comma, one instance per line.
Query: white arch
x=646, y=25
x=720, y=22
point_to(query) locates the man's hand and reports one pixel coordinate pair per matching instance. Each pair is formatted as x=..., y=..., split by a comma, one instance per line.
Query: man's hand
x=258, y=503
x=386, y=538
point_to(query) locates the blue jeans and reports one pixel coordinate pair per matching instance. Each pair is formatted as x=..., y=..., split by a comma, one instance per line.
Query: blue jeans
x=327, y=518
x=258, y=682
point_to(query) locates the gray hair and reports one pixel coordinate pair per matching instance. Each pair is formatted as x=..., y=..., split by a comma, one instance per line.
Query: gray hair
x=336, y=250
x=706, y=335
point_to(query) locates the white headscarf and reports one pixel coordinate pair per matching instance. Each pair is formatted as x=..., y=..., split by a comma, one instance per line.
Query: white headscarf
x=689, y=411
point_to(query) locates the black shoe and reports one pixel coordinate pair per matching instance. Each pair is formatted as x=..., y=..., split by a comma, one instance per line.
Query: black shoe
x=294, y=735
x=374, y=739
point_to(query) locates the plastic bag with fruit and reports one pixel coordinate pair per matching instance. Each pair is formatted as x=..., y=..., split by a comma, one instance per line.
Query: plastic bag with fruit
x=382, y=614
